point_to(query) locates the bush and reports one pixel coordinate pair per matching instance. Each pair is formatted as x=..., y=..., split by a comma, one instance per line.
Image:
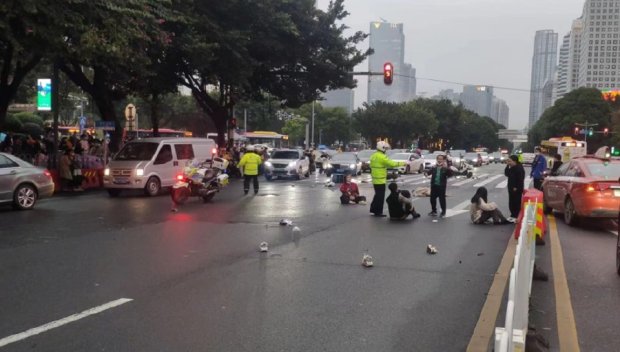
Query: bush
x=12, y=124
x=29, y=117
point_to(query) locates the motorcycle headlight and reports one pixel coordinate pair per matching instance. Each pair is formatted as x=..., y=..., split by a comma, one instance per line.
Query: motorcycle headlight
x=106, y=172
x=140, y=172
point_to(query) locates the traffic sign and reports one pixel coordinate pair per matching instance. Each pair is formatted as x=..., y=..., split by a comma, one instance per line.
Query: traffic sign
x=130, y=112
x=105, y=125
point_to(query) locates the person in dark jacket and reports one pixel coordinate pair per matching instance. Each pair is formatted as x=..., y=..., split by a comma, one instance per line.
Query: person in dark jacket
x=539, y=166
x=516, y=179
x=439, y=181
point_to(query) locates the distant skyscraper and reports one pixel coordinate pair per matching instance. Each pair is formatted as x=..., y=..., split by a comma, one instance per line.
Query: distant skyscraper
x=600, y=51
x=574, y=55
x=561, y=87
x=478, y=99
x=449, y=94
x=500, y=112
x=544, y=64
x=339, y=98
x=388, y=42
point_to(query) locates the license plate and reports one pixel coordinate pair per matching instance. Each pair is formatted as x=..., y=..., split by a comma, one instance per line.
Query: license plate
x=121, y=180
x=616, y=192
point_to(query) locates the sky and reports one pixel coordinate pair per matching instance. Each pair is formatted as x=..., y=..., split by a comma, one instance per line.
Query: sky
x=486, y=42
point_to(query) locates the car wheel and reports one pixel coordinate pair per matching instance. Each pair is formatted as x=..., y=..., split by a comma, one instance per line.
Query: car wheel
x=208, y=198
x=114, y=192
x=421, y=169
x=153, y=186
x=180, y=195
x=24, y=197
x=328, y=173
x=570, y=214
x=407, y=170
x=359, y=173
x=307, y=174
x=298, y=176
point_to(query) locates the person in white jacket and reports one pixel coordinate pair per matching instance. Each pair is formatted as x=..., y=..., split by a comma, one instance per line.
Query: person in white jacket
x=482, y=210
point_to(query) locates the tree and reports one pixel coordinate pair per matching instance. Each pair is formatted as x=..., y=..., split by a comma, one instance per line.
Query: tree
x=106, y=60
x=578, y=106
x=295, y=128
x=239, y=49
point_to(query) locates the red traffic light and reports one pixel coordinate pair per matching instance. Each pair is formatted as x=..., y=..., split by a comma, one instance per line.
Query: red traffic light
x=606, y=131
x=576, y=131
x=388, y=73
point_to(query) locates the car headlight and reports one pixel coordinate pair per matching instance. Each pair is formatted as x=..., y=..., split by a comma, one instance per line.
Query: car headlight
x=328, y=165
x=106, y=172
x=291, y=164
x=140, y=172
x=268, y=164
x=352, y=166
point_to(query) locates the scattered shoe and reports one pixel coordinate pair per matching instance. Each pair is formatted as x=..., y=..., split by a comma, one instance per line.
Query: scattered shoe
x=264, y=247
x=443, y=214
x=286, y=222
x=432, y=213
x=367, y=261
x=430, y=249
x=416, y=215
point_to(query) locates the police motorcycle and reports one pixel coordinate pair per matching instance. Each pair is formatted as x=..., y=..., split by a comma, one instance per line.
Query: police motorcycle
x=200, y=179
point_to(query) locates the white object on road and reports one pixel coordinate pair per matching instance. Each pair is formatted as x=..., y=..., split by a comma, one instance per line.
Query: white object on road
x=296, y=229
x=58, y=323
x=286, y=222
x=430, y=249
x=264, y=247
x=367, y=261
x=488, y=180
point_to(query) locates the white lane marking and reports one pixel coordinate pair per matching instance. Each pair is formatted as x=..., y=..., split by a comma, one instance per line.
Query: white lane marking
x=463, y=205
x=614, y=232
x=43, y=328
x=528, y=182
x=502, y=184
x=488, y=180
x=460, y=208
x=460, y=183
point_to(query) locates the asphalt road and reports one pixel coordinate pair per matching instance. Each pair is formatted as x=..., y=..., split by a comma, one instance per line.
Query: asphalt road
x=195, y=280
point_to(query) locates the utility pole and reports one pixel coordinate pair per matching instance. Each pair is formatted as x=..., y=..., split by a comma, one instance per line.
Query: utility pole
x=312, y=144
x=245, y=119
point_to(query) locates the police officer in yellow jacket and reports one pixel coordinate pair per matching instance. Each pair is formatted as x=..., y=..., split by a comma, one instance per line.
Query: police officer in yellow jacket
x=379, y=163
x=249, y=164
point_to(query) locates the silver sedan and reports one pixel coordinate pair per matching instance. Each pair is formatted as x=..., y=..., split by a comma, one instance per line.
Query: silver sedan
x=22, y=183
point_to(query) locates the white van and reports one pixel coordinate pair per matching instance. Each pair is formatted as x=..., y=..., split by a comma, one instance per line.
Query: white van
x=153, y=163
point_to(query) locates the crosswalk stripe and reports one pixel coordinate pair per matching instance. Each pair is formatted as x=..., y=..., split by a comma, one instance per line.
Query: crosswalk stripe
x=488, y=180
x=502, y=184
x=468, y=180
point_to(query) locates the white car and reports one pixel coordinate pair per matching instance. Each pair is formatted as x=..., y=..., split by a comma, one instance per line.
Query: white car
x=414, y=163
x=287, y=163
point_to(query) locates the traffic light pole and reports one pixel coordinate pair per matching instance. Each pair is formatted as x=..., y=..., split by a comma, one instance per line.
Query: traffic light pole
x=585, y=129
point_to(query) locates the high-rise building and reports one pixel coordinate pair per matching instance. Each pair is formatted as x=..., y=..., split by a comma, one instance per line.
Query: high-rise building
x=339, y=98
x=500, y=112
x=544, y=64
x=449, y=94
x=600, y=51
x=388, y=42
x=574, y=55
x=478, y=99
x=561, y=87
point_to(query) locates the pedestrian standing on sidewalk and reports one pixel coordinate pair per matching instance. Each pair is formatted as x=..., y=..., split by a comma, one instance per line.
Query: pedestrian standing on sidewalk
x=539, y=166
x=516, y=178
x=439, y=182
x=249, y=165
x=379, y=163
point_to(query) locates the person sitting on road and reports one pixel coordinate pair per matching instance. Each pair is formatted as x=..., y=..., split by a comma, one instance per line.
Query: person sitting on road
x=481, y=211
x=400, y=204
x=350, y=192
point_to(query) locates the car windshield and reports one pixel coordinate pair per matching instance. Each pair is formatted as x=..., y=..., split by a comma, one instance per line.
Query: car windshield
x=471, y=155
x=285, y=154
x=401, y=156
x=457, y=152
x=609, y=171
x=365, y=153
x=137, y=151
x=344, y=157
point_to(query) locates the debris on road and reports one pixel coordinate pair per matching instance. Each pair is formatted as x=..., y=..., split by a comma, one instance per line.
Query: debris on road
x=422, y=192
x=480, y=254
x=296, y=229
x=286, y=222
x=430, y=249
x=367, y=261
x=174, y=210
x=435, y=220
x=264, y=247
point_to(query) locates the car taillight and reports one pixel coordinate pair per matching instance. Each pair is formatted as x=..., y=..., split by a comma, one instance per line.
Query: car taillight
x=593, y=187
x=214, y=151
x=47, y=173
x=180, y=177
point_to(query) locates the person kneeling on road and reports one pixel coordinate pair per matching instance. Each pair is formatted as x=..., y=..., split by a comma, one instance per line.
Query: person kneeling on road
x=481, y=211
x=350, y=192
x=400, y=204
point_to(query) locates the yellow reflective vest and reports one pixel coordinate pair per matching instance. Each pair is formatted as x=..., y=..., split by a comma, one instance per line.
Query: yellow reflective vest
x=249, y=163
x=379, y=163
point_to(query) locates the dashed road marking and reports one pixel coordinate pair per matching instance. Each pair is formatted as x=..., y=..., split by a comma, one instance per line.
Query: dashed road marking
x=488, y=180
x=58, y=323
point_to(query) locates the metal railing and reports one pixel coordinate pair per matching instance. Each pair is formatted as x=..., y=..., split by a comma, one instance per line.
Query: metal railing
x=511, y=337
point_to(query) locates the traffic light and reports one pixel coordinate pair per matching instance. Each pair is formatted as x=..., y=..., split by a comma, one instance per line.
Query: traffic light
x=606, y=131
x=576, y=131
x=591, y=132
x=615, y=151
x=388, y=73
